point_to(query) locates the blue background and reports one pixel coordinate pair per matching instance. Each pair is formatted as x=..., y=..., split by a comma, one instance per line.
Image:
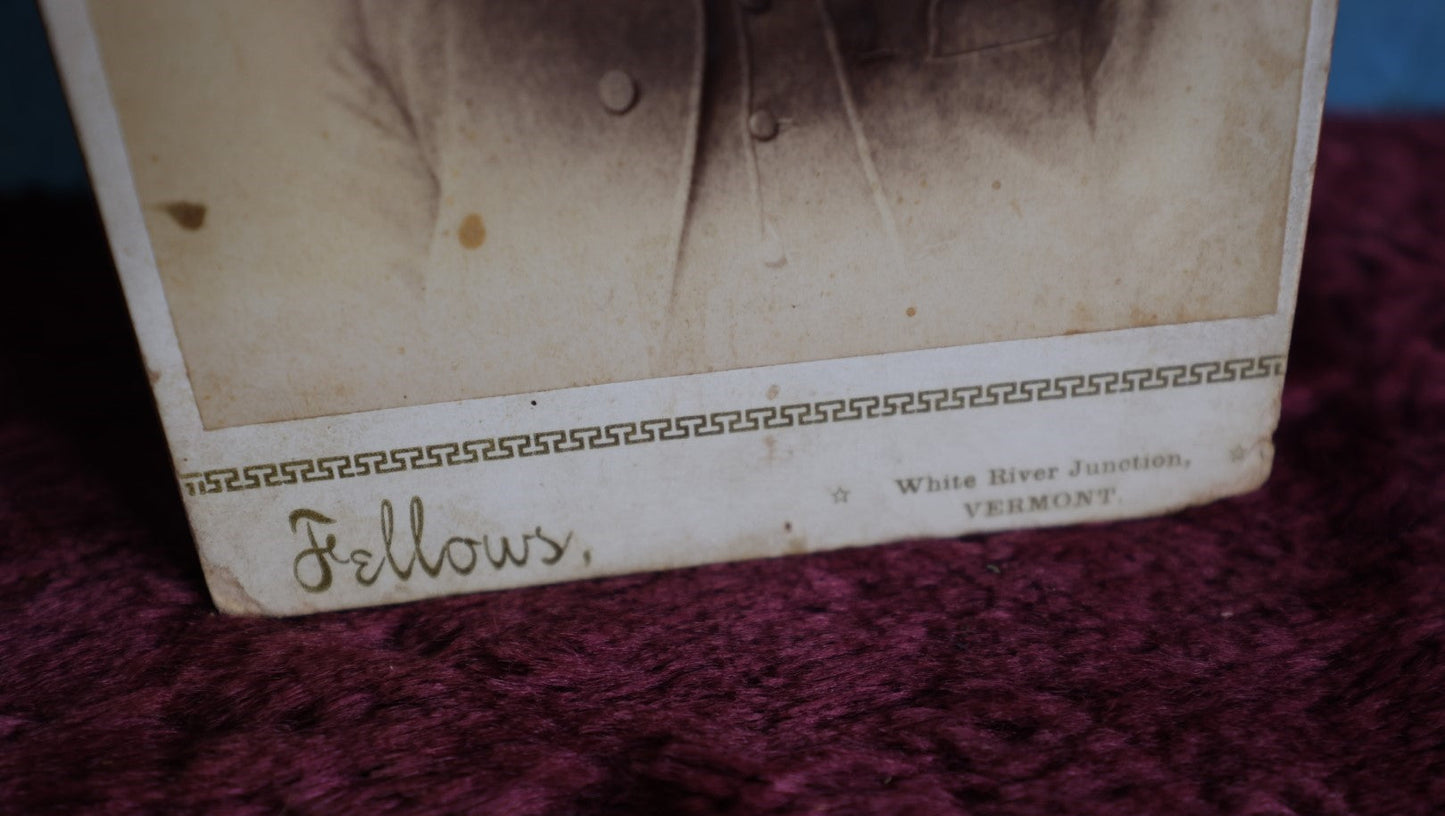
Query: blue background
x=1389, y=59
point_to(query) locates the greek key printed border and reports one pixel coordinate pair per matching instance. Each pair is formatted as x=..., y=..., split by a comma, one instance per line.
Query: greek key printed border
x=718, y=423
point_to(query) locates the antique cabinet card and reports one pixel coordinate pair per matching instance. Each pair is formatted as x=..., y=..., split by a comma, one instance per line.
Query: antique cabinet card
x=464, y=295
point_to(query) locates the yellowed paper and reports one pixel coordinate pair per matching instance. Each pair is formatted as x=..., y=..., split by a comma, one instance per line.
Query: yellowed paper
x=453, y=296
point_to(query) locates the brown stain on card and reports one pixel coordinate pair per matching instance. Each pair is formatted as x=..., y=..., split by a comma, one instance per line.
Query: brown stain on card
x=188, y=214
x=472, y=233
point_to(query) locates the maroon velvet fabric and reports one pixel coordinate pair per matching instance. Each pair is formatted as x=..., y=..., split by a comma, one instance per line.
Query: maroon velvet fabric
x=1276, y=653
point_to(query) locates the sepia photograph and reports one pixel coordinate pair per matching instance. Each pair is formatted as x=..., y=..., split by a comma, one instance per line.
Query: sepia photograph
x=357, y=204
x=467, y=295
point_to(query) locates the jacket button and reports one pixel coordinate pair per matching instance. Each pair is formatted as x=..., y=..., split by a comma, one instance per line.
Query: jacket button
x=763, y=125
x=618, y=92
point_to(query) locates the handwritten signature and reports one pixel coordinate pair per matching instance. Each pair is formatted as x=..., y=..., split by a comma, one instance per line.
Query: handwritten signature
x=313, y=565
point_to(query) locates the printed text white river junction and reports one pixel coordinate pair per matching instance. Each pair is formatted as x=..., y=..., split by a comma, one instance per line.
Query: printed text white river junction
x=1037, y=488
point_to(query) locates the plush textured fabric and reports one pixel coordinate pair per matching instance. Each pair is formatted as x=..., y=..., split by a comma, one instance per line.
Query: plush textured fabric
x=1277, y=653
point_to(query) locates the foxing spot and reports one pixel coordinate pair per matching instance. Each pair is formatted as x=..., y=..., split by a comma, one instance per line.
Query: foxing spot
x=472, y=232
x=190, y=215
